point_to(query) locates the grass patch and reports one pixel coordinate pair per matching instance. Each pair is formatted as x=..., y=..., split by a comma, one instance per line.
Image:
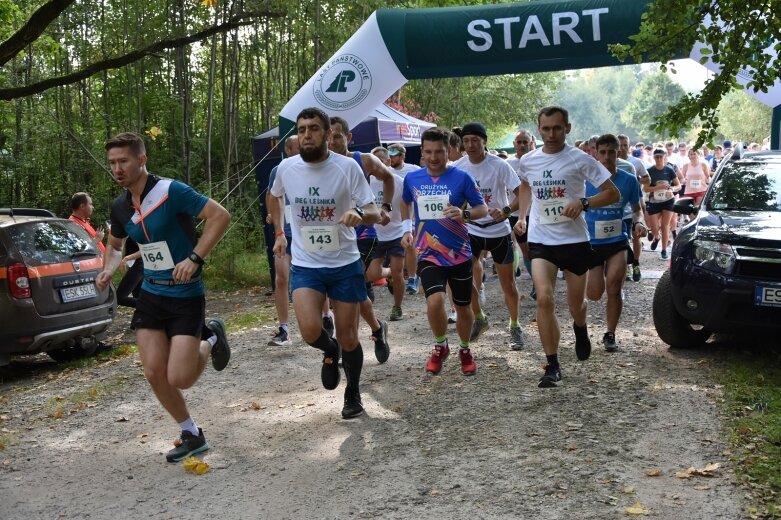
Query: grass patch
x=117, y=352
x=251, y=319
x=231, y=266
x=752, y=387
x=59, y=406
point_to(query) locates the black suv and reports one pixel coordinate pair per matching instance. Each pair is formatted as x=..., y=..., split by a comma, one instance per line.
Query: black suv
x=725, y=266
x=48, y=298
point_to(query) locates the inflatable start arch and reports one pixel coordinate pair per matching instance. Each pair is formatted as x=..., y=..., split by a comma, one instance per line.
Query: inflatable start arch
x=397, y=45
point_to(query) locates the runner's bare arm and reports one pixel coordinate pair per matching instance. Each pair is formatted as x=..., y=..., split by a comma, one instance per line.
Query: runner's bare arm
x=111, y=261
x=498, y=213
x=639, y=228
x=406, y=239
x=217, y=219
x=276, y=210
x=524, y=202
x=375, y=167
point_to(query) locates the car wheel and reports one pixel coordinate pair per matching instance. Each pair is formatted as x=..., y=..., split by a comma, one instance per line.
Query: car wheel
x=672, y=328
x=80, y=350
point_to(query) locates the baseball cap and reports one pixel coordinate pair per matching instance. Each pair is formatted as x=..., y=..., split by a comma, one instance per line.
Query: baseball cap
x=474, y=129
x=659, y=151
x=396, y=149
x=637, y=152
x=727, y=144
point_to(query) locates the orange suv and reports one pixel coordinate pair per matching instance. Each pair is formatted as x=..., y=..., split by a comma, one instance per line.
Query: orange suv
x=48, y=299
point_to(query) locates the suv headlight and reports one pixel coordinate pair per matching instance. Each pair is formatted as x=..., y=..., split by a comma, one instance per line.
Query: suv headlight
x=714, y=256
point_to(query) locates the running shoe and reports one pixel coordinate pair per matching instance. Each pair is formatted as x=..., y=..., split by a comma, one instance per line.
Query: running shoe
x=533, y=294
x=478, y=327
x=451, y=317
x=468, y=365
x=390, y=284
x=654, y=243
x=328, y=325
x=664, y=254
x=675, y=234
x=551, y=377
x=650, y=235
x=628, y=273
x=516, y=338
x=437, y=358
x=381, y=347
x=411, y=286
x=609, y=340
x=187, y=444
x=481, y=295
x=582, y=342
x=221, y=351
x=381, y=282
x=281, y=339
x=352, y=403
x=396, y=314
x=329, y=372
x=636, y=275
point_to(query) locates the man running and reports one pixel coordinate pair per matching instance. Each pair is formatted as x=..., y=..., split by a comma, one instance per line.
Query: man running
x=338, y=140
x=282, y=263
x=328, y=196
x=438, y=193
x=642, y=177
x=158, y=214
x=494, y=178
x=389, y=240
x=524, y=143
x=609, y=237
x=554, y=188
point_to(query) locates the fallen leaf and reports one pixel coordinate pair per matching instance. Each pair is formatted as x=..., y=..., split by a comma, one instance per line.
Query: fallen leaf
x=434, y=492
x=708, y=471
x=357, y=474
x=629, y=490
x=195, y=466
x=58, y=413
x=637, y=509
x=299, y=406
x=701, y=487
x=119, y=419
x=653, y=472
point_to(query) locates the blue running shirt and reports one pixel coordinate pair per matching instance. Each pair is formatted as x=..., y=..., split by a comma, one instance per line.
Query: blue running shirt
x=605, y=225
x=441, y=241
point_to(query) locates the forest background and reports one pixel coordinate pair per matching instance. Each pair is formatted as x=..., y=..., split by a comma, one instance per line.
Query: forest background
x=200, y=103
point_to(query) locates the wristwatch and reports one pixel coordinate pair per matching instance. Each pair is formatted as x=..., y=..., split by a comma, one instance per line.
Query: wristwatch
x=585, y=203
x=506, y=210
x=195, y=258
x=467, y=214
x=387, y=206
x=359, y=211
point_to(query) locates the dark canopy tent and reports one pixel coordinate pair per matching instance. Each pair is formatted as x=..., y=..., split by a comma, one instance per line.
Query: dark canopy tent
x=383, y=126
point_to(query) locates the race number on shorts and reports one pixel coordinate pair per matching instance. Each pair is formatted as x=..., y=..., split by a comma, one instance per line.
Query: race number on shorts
x=551, y=210
x=156, y=256
x=432, y=207
x=607, y=228
x=320, y=238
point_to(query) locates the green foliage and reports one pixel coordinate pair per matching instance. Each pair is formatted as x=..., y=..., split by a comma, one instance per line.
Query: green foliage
x=752, y=391
x=670, y=28
x=649, y=102
x=743, y=118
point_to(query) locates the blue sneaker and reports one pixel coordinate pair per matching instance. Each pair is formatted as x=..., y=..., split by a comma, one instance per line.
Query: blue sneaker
x=412, y=286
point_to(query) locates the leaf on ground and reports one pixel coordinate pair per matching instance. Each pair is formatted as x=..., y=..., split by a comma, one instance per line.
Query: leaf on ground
x=708, y=471
x=299, y=406
x=434, y=492
x=58, y=413
x=629, y=490
x=637, y=509
x=653, y=472
x=702, y=487
x=193, y=465
x=256, y=406
x=118, y=419
x=492, y=365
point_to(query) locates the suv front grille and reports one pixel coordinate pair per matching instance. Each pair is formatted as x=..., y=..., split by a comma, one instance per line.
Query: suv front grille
x=758, y=262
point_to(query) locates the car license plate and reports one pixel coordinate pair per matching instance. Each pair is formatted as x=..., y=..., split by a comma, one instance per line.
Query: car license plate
x=768, y=296
x=78, y=292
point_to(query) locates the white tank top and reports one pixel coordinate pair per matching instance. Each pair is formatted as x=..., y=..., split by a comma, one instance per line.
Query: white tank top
x=695, y=178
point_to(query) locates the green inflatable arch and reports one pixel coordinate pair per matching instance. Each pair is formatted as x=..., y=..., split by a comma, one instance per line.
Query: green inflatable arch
x=397, y=45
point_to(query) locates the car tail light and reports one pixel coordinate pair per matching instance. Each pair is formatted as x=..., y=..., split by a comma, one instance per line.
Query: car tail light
x=18, y=281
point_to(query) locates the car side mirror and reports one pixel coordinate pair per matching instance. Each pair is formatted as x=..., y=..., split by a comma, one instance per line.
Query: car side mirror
x=685, y=206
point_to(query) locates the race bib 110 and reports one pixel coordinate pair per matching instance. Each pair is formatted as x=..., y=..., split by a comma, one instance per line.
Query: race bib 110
x=550, y=211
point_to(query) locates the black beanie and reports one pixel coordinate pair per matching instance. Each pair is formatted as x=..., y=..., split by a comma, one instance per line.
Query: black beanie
x=475, y=129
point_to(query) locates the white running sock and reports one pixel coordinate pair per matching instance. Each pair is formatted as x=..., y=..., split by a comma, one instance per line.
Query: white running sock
x=212, y=340
x=189, y=426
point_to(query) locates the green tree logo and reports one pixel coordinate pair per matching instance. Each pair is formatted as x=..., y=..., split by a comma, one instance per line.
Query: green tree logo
x=339, y=84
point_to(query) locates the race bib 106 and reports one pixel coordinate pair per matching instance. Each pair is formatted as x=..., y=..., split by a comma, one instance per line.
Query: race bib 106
x=432, y=207
x=156, y=256
x=320, y=238
x=550, y=211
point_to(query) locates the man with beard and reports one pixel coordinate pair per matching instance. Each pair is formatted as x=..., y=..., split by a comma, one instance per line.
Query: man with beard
x=329, y=197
